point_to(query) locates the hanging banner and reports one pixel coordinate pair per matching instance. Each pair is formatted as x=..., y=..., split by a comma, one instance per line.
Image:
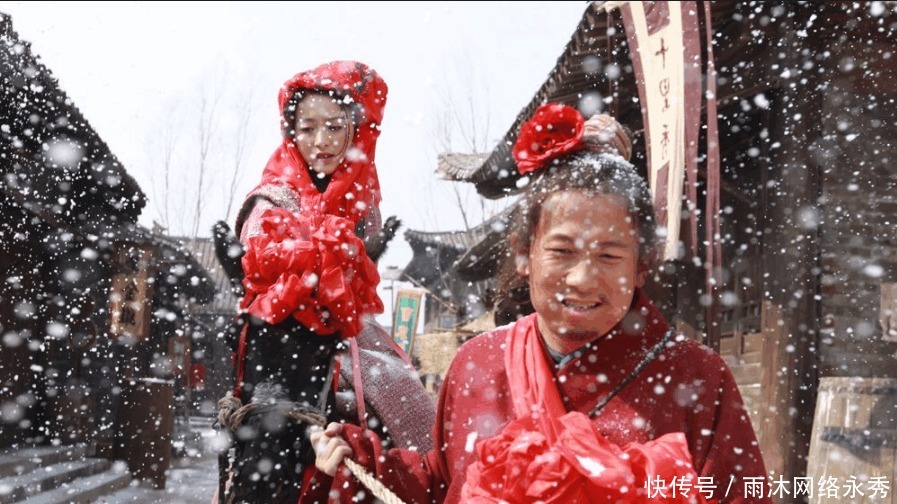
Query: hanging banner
x=664, y=42
x=130, y=295
x=404, y=324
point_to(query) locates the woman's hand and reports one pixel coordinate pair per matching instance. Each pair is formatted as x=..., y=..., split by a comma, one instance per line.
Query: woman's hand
x=330, y=448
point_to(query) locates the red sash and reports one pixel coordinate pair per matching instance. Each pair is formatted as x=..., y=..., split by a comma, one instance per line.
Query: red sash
x=548, y=454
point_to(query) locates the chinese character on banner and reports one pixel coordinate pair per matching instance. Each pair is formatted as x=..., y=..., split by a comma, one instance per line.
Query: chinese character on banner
x=404, y=324
x=666, y=55
x=130, y=295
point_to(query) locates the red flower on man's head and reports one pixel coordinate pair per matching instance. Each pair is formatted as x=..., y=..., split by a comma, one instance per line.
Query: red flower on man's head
x=554, y=131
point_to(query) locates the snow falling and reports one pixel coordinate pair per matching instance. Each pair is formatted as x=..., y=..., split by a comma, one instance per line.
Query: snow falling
x=118, y=342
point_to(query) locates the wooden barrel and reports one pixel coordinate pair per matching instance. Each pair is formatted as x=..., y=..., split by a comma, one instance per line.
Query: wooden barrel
x=853, y=450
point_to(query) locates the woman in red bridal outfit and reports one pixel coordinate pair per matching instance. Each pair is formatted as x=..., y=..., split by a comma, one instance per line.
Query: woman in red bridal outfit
x=309, y=349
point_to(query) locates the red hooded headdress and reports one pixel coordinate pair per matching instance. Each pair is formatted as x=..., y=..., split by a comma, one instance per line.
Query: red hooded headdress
x=354, y=186
x=306, y=261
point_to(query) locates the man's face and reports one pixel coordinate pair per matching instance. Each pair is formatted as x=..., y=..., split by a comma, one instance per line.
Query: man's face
x=583, y=267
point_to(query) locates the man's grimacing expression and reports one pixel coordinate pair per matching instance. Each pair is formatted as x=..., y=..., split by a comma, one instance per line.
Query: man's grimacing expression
x=583, y=267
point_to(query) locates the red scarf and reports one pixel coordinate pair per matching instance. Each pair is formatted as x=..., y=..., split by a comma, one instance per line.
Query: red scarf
x=547, y=454
x=354, y=185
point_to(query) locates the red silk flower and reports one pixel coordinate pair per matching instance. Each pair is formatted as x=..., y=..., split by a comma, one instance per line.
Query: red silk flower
x=521, y=465
x=555, y=130
x=313, y=268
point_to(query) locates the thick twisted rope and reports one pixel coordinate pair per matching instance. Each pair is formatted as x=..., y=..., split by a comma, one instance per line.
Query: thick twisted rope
x=373, y=484
x=232, y=412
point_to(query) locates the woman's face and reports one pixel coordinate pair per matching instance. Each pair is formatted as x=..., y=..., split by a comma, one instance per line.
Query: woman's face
x=583, y=267
x=323, y=133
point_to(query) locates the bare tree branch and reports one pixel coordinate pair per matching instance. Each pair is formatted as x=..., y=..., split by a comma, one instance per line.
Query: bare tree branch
x=463, y=116
x=240, y=140
x=206, y=127
x=162, y=164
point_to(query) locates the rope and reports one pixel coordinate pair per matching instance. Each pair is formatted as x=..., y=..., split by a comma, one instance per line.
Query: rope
x=232, y=412
x=373, y=484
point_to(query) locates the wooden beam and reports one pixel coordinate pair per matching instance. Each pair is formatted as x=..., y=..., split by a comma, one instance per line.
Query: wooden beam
x=774, y=405
x=791, y=257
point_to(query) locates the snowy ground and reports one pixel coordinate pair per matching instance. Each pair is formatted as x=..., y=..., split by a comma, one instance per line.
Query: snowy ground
x=192, y=478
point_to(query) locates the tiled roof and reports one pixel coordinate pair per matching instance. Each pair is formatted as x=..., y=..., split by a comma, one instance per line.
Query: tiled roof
x=80, y=177
x=456, y=166
x=224, y=301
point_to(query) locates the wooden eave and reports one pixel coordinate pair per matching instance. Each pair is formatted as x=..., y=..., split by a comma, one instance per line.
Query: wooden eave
x=600, y=38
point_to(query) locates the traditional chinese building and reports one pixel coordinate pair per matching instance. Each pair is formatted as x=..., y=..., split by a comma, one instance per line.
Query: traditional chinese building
x=451, y=300
x=88, y=299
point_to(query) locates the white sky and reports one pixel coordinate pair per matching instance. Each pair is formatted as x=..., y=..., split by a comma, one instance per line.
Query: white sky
x=133, y=68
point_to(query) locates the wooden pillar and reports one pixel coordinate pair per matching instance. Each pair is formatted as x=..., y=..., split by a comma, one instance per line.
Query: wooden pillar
x=791, y=256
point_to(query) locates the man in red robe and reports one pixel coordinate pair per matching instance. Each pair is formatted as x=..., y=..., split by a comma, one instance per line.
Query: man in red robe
x=591, y=398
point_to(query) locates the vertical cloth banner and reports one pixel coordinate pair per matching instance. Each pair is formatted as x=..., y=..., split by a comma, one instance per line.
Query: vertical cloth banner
x=130, y=296
x=665, y=48
x=404, y=324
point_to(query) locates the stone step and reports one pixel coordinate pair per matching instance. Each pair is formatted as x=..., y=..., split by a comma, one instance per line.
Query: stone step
x=86, y=490
x=14, y=462
x=48, y=477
